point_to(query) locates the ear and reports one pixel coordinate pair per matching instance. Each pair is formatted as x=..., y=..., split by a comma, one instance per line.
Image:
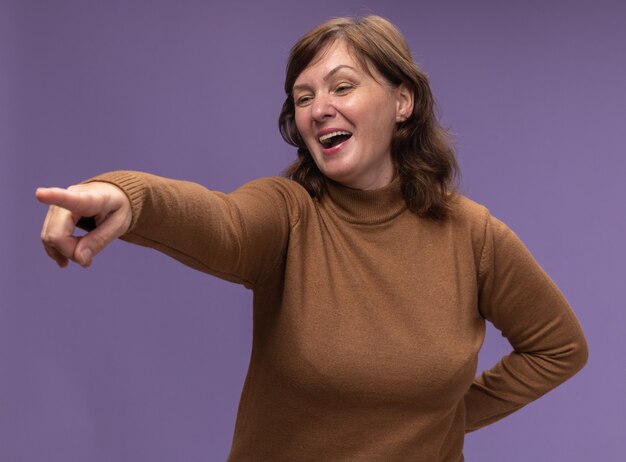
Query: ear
x=404, y=102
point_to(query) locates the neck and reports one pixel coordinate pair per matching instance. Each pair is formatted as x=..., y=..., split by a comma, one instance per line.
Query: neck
x=366, y=206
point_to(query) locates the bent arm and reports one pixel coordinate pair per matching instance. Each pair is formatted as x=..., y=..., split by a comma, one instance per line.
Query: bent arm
x=520, y=299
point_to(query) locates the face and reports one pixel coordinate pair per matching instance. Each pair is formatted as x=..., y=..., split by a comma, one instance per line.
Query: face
x=347, y=117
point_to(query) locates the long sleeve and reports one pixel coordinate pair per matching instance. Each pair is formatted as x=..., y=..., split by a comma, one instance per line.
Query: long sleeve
x=519, y=298
x=240, y=237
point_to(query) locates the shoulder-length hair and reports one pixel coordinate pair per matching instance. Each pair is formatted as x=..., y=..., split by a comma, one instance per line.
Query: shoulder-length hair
x=420, y=148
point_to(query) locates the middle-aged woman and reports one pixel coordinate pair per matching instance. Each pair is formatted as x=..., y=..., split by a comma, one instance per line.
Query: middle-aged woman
x=372, y=276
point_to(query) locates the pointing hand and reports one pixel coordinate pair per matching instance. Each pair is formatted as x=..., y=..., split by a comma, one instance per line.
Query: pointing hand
x=106, y=203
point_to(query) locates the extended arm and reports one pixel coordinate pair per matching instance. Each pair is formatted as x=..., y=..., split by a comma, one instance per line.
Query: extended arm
x=238, y=236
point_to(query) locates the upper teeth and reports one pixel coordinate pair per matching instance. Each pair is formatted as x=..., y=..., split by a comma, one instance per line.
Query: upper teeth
x=330, y=135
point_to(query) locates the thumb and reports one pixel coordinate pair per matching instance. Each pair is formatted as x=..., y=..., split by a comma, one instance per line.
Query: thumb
x=93, y=242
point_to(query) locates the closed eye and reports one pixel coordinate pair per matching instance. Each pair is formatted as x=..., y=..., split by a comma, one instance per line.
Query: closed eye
x=343, y=88
x=304, y=100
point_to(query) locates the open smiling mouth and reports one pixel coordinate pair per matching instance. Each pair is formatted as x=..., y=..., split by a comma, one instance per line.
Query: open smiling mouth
x=333, y=139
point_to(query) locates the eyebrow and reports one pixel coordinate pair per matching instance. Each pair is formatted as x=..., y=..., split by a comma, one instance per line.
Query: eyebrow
x=327, y=77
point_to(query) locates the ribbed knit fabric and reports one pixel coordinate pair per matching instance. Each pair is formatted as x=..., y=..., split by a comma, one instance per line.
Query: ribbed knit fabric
x=367, y=318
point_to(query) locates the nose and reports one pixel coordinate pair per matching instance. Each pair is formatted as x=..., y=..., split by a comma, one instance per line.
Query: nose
x=323, y=108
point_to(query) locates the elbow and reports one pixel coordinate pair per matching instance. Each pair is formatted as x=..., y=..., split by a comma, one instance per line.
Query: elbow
x=581, y=355
x=577, y=356
x=564, y=362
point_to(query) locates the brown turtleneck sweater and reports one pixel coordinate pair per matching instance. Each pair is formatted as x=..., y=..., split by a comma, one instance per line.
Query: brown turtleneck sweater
x=367, y=318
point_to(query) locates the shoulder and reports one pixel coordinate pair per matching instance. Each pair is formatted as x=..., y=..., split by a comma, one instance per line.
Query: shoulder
x=276, y=183
x=466, y=213
x=277, y=192
x=279, y=187
x=471, y=221
x=471, y=215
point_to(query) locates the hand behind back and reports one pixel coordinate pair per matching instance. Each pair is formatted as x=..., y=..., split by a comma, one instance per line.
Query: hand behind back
x=106, y=203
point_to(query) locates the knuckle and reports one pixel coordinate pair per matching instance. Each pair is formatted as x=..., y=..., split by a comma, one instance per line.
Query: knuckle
x=47, y=238
x=50, y=237
x=99, y=242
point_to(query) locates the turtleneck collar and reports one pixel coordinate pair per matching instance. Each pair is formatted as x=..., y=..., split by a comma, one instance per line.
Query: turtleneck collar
x=365, y=207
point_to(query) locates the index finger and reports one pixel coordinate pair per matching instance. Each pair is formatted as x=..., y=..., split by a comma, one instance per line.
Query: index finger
x=78, y=202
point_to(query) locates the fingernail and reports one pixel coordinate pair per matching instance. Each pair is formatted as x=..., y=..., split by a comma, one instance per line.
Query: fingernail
x=86, y=257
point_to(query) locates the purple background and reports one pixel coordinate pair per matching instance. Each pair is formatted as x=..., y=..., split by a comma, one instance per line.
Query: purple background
x=142, y=359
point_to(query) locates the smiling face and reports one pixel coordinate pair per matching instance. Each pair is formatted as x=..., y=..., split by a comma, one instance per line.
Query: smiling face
x=347, y=116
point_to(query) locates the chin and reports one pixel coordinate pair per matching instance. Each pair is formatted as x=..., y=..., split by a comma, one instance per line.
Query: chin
x=336, y=174
x=337, y=170
x=344, y=180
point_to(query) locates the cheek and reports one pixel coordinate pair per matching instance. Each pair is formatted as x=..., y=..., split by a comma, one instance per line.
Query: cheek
x=301, y=122
x=383, y=120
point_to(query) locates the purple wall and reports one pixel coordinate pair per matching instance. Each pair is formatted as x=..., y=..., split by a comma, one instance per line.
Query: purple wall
x=142, y=359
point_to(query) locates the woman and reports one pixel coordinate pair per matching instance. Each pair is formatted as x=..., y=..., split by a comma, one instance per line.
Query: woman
x=372, y=277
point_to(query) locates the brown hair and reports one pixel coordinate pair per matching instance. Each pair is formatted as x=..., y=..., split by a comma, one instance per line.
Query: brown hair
x=420, y=148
